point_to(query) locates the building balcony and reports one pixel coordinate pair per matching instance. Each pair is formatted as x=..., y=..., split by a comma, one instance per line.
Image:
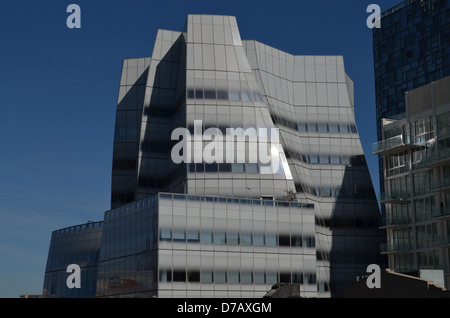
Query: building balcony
x=440, y=212
x=395, y=248
x=394, y=144
x=441, y=240
x=394, y=222
x=441, y=184
x=441, y=158
x=397, y=197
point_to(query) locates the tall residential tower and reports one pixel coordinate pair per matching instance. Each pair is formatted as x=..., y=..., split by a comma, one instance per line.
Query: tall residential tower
x=411, y=49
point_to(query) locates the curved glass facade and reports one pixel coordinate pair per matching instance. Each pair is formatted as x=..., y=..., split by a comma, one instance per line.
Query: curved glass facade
x=233, y=223
x=79, y=245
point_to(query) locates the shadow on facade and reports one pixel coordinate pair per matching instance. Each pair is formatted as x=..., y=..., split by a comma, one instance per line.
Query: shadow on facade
x=166, y=111
x=356, y=237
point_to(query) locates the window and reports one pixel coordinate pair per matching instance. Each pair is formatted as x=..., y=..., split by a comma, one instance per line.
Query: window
x=198, y=93
x=251, y=167
x=272, y=278
x=179, y=276
x=314, y=159
x=206, y=238
x=224, y=167
x=165, y=276
x=310, y=241
x=302, y=127
x=235, y=95
x=193, y=276
x=246, y=97
x=210, y=94
x=220, y=276
x=233, y=277
x=310, y=279
x=222, y=94
x=271, y=240
x=296, y=241
x=323, y=128
x=258, y=240
x=165, y=235
x=324, y=159
x=206, y=277
x=238, y=167
x=246, y=278
x=233, y=238
x=297, y=278
x=257, y=97
x=179, y=236
x=285, y=277
x=193, y=236
x=259, y=278
x=334, y=128
x=211, y=167
x=312, y=127
x=284, y=240
x=335, y=160
x=220, y=238
x=345, y=128
x=246, y=239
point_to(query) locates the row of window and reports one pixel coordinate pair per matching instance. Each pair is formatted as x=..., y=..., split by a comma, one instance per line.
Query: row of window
x=326, y=128
x=236, y=238
x=223, y=94
x=235, y=277
x=301, y=127
x=268, y=202
x=254, y=168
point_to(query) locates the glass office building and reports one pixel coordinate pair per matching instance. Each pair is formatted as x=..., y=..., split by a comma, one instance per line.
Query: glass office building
x=411, y=49
x=416, y=152
x=79, y=244
x=228, y=225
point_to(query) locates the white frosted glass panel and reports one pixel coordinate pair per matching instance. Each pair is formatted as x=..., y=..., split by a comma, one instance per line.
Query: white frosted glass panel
x=220, y=60
x=320, y=73
x=331, y=73
x=310, y=73
x=208, y=57
x=231, y=59
x=198, y=56
x=219, y=37
x=332, y=92
x=311, y=98
x=322, y=94
x=207, y=33
x=343, y=95
x=197, y=33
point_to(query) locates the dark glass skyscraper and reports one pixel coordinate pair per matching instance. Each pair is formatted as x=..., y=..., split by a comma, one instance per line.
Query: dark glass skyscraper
x=411, y=49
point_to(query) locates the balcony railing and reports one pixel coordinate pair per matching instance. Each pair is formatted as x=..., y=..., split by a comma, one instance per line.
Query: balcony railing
x=389, y=143
x=441, y=240
x=441, y=184
x=433, y=159
x=396, y=247
x=437, y=212
x=394, y=196
x=395, y=221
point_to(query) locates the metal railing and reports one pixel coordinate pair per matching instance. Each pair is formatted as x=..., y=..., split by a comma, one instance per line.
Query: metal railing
x=394, y=195
x=388, y=143
x=433, y=158
x=394, y=221
x=395, y=247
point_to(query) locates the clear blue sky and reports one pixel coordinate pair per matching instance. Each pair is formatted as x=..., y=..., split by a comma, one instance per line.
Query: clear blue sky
x=58, y=95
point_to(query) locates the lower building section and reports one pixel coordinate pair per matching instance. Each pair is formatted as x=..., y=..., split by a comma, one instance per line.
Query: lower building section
x=78, y=245
x=179, y=245
x=175, y=245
